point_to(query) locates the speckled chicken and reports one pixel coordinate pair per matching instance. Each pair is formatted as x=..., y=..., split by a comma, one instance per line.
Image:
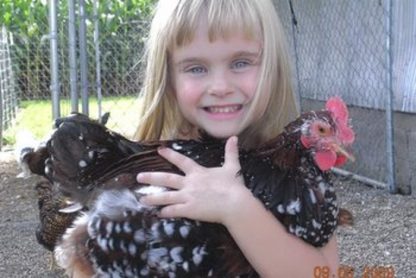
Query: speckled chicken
x=53, y=221
x=54, y=218
x=120, y=236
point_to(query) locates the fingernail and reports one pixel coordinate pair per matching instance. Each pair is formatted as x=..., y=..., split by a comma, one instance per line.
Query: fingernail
x=139, y=176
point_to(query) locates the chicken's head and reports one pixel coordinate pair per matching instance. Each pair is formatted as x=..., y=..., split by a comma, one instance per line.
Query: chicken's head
x=328, y=133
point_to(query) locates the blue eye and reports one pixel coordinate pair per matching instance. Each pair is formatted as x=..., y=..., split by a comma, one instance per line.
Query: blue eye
x=240, y=64
x=196, y=69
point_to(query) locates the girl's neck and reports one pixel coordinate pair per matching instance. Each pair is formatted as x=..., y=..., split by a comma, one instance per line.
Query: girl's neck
x=188, y=133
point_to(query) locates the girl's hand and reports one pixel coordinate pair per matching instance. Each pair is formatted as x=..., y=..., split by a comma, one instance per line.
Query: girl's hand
x=206, y=194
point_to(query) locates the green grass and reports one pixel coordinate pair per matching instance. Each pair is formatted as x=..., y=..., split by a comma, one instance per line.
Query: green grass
x=35, y=116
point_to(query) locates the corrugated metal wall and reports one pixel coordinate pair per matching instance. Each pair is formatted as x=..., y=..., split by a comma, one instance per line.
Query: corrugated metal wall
x=342, y=47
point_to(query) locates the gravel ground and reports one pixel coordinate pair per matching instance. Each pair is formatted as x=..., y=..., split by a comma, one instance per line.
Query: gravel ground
x=383, y=236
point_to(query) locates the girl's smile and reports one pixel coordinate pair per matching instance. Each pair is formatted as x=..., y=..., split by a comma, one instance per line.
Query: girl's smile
x=224, y=112
x=227, y=109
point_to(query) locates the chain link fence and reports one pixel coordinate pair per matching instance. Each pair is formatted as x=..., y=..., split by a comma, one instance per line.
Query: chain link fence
x=355, y=49
x=8, y=88
x=116, y=43
x=339, y=48
x=119, y=71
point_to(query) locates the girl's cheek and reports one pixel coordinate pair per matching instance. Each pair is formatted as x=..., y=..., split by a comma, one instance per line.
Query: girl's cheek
x=189, y=88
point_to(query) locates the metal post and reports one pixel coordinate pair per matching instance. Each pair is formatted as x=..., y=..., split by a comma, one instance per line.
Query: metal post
x=53, y=37
x=97, y=59
x=72, y=44
x=13, y=89
x=295, y=46
x=83, y=57
x=7, y=98
x=2, y=54
x=362, y=179
x=5, y=80
x=389, y=104
x=11, y=83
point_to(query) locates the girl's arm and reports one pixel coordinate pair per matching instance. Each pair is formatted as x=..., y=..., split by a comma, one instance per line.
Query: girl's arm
x=224, y=199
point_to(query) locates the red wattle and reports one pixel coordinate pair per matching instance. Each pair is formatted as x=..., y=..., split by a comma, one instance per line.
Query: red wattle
x=325, y=159
x=341, y=160
x=305, y=141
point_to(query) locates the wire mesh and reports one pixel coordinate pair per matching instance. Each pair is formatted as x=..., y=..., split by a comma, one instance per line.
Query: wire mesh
x=120, y=42
x=343, y=48
x=8, y=89
x=120, y=53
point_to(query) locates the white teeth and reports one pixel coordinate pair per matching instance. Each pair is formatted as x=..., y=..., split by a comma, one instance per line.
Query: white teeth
x=225, y=109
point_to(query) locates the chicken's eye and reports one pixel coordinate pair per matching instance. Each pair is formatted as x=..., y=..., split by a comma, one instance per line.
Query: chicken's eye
x=321, y=129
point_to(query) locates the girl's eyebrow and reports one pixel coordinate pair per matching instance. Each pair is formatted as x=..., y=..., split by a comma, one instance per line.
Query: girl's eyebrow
x=247, y=54
x=239, y=54
x=189, y=60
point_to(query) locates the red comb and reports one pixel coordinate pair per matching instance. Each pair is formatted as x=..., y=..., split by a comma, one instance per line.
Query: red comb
x=340, y=111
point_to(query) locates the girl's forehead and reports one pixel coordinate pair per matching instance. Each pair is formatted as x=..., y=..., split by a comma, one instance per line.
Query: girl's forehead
x=214, y=29
x=230, y=30
x=223, y=46
x=202, y=36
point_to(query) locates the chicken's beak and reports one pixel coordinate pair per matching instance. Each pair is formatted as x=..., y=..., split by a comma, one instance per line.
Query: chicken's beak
x=342, y=151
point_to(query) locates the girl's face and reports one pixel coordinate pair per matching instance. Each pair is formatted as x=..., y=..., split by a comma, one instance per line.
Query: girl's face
x=215, y=82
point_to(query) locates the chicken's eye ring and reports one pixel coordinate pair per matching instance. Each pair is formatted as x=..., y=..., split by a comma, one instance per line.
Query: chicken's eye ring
x=321, y=129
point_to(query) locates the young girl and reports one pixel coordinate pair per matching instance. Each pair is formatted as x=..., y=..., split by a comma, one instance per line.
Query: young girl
x=221, y=66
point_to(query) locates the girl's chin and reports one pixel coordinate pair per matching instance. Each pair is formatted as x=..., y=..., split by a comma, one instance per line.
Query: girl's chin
x=222, y=133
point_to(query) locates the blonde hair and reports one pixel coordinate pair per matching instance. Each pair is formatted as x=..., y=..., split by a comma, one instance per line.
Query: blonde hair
x=174, y=25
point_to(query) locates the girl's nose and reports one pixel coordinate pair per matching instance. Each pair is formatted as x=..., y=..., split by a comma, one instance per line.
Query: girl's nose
x=220, y=85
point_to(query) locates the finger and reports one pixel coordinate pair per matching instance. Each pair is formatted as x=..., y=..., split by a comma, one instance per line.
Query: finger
x=174, y=211
x=179, y=160
x=161, y=179
x=162, y=198
x=231, y=156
